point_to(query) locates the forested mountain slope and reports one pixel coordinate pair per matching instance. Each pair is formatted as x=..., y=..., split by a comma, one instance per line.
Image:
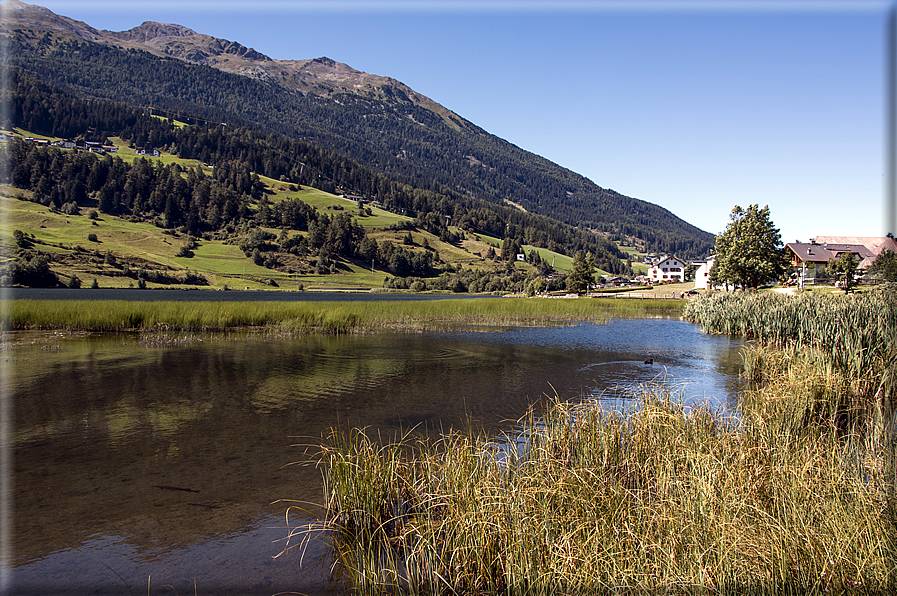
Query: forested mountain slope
x=374, y=121
x=233, y=202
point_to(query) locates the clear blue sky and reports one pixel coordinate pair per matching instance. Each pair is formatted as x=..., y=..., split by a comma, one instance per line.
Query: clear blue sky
x=695, y=106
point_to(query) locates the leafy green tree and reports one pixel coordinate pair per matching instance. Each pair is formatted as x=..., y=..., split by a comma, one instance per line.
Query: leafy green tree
x=582, y=275
x=885, y=265
x=33, y=271
x=535, y=286
x=844, y=268
x=749, y=252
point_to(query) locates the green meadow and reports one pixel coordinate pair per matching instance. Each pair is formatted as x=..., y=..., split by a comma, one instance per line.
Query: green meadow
x=332, y=204
x=69, y=236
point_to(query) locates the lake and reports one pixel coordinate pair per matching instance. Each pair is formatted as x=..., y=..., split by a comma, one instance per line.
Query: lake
x=146, y=461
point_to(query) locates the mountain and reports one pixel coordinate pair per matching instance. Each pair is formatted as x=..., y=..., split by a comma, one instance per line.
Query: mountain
x=376, y=121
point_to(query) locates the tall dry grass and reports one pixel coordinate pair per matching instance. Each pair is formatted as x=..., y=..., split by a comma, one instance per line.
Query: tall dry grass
x=662, y=499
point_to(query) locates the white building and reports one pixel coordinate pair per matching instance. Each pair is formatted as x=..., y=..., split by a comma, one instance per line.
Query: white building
x=667, y=269
x=702, y=274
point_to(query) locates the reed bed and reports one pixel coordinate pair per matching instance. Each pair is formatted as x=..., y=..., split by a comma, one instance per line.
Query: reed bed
x=661, y=499
x=308, y=316
x=854, y=336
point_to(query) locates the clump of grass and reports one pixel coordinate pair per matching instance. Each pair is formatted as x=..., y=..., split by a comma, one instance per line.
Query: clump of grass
x=583, y=500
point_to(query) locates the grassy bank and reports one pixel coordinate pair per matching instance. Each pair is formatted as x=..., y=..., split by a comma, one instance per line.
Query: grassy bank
x=328, y=317
x=664, y=500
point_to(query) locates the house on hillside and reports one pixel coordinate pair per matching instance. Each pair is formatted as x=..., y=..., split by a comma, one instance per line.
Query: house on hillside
x=668, y=268
x=810, y=258
x=702, y=273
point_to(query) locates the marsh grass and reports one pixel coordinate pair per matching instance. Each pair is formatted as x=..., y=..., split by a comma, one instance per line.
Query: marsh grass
x=849, y=338
x=663, y=499
x=306, y=317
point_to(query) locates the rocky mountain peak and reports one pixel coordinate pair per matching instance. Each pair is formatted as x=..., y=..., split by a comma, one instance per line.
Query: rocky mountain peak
x=324, y=60
x=14, y=12
x=152, y=30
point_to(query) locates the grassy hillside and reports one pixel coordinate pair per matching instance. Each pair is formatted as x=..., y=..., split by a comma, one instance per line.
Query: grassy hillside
x=135, y=245
x=109, y=251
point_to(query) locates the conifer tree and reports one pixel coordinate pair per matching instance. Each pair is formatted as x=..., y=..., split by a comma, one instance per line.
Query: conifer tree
x=582, y=275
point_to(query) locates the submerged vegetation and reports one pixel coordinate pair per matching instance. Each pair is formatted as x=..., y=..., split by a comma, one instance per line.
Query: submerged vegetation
x=795, y=492
x=322, y=317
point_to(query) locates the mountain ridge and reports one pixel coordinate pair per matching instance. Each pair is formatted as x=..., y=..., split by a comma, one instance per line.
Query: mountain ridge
x=374, y=119
x=178, y=41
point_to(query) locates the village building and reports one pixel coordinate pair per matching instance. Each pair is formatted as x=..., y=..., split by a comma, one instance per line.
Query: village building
x=668, y=268
x=702, y=273
x=810, y=259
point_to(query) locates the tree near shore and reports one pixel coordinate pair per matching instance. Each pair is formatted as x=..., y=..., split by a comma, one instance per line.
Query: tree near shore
x=885, y=265
x=844, y=268
x=582, y=274
x=749, y=252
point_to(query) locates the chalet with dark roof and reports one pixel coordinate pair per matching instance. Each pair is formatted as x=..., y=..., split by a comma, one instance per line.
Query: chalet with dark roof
x=819, y=250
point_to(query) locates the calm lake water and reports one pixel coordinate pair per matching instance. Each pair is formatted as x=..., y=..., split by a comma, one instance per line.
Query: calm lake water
x=107, y=427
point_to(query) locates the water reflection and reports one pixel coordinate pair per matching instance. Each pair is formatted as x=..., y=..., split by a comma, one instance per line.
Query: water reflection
x=137, y=459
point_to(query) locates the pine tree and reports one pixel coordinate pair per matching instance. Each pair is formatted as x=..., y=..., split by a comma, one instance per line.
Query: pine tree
x=582, y=275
